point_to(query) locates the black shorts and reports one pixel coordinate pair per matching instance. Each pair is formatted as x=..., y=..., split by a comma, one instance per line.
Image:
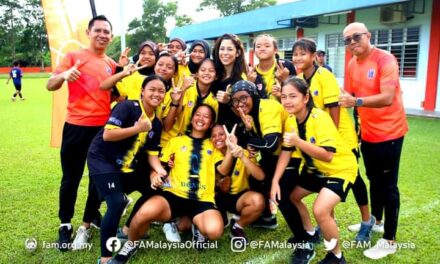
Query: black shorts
x=185, y=207
x=17, y=86
x=314, y=183
x=228, y=202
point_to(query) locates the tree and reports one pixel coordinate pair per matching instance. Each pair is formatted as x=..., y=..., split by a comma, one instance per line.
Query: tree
x=230, y=7
x=152, y=24
x=183, y=21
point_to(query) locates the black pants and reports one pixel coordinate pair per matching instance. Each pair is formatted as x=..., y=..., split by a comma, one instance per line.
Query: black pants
x=74, y=147
x=382, y=166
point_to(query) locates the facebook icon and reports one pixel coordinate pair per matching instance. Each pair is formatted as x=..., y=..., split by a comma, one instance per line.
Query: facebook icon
x=113, y=244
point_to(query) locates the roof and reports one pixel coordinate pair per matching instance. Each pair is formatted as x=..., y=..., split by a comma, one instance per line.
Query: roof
x=270, y=18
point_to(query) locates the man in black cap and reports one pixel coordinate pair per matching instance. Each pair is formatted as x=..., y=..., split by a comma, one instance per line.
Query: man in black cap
x=320, y=59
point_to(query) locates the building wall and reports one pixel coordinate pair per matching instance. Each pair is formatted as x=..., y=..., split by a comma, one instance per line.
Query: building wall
x=413, y=88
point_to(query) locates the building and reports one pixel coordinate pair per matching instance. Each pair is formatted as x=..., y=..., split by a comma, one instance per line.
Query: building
x=408, y=29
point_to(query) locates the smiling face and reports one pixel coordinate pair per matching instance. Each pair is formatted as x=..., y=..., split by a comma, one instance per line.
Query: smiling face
x=228, y=53
x=174, y=47
x=100, y=35
x=243, y=101
x=362, y=46
x=197, y=54
x=153, y=93
x=147, y=57
x=218, y=137
x=202, y=119
x=264, y=48
x=165, y=67
x=293, y=100
x=302, y=59
x=206, y=73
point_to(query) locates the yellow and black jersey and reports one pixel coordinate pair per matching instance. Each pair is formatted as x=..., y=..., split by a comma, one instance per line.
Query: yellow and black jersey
x=265, y=80
x=182, y=71
x=267, y=121
x=164, y=108
x=325, y=92
x=290, y=125
x=319, y=129
x=117, y=156
x=131, y=86
x=193, y=173
x=240, y=175
x=190, y=100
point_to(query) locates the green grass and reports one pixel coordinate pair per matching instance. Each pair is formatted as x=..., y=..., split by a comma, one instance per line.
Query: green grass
x=30, y=177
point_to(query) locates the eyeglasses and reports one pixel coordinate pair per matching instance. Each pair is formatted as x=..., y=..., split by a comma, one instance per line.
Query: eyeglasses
x=356, y=37
x=242, y=99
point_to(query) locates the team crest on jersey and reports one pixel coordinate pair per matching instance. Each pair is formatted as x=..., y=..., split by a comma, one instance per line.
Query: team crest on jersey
x=183, y=148
x=108, y=69
x=209, y=152
x=113, y=120
x=190, y=104
x=312, y=140
x=315, y=93
x=136, y=103
x=370, y=74
x=151, y=134
x=259, y=86
x=236, y=172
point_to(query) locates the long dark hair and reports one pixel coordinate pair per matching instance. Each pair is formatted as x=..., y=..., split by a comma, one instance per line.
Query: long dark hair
x=239, y=63
x=302, y=87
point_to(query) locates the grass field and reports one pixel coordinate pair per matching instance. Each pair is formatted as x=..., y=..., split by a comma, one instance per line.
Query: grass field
x=30, y=177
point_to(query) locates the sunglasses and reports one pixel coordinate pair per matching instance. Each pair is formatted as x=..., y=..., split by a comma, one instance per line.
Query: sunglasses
x=356, y=37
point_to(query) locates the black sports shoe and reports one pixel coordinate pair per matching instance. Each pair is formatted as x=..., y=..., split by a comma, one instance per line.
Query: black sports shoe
x=124, y=254
x=330, y=258
x=262, y=222
x=237, y=232
x=199, y=241
x=303, y=254
x=64, y=238
x=96, y=222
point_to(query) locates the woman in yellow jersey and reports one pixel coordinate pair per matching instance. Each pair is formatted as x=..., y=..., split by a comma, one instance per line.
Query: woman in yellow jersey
x=260, y=127
x=199, y=93
x=128, y=84
x=270, y=70
x=325, y=92
x=233, y=192
x=189, y=189
x=329, y=167
x=228, y=55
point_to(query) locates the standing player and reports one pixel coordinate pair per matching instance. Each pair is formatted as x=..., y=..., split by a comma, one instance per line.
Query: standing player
x=374, y=88
x=88, y=110
x=16, y=74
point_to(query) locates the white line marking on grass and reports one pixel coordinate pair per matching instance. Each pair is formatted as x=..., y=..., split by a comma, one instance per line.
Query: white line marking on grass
x=427, y=208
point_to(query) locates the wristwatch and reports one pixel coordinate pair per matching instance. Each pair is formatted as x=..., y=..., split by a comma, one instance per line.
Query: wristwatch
x=358, y=102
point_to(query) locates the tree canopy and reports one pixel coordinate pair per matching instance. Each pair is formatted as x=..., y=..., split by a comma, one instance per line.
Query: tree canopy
x=230, y=7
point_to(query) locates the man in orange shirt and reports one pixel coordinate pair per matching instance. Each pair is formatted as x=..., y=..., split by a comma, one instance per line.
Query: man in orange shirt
x=87, y=112
x=374, y=88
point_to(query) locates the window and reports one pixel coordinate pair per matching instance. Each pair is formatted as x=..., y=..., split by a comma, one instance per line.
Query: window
x=403, y=43
x=335, y=53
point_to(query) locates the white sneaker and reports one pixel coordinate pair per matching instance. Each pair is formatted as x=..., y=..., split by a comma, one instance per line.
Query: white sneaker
x=129, y=201
x=83, y=235
x=377, y=228
x=13, y=99
x=171, y=232
x=382, y=249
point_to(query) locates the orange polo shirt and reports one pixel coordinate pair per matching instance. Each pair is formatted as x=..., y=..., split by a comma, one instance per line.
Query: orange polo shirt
x=365, y=78
x=88, y=105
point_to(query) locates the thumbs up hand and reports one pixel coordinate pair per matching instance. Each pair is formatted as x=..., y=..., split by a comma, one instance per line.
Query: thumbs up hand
x=73, y=73
x=346, y=99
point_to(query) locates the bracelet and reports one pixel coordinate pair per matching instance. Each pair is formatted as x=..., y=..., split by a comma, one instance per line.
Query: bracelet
x=174, y=105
